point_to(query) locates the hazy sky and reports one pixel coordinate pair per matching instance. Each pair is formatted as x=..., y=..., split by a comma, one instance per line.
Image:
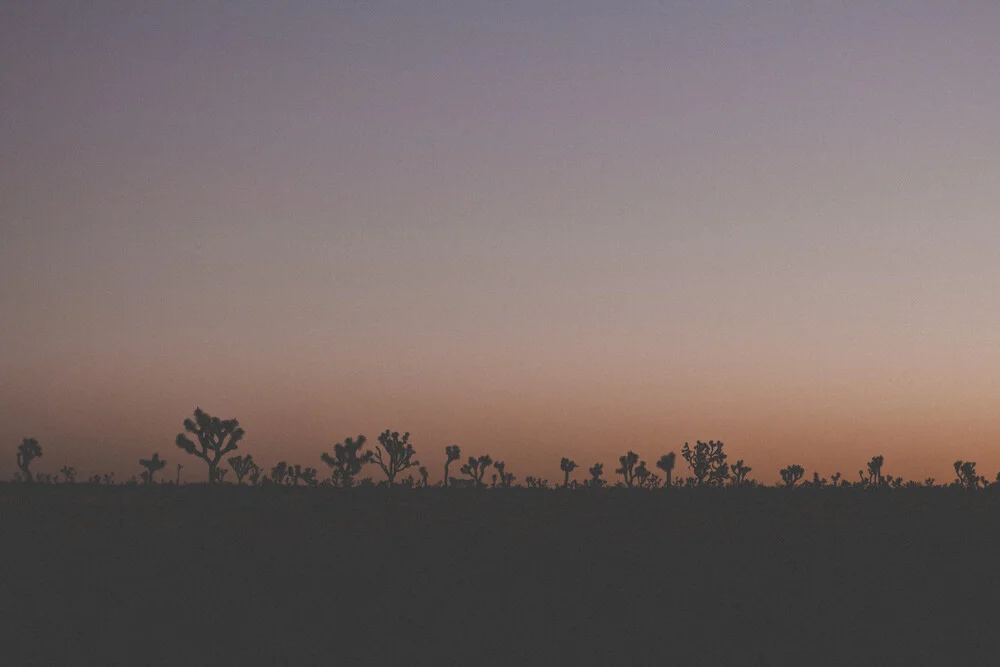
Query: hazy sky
x=535, y=229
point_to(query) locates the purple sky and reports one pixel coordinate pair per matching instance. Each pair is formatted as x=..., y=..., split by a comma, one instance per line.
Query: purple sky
x=535, y=229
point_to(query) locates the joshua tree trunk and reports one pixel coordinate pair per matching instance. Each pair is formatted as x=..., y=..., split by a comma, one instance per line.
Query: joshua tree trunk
x=669, y=473
x=446, y=464
x=212, y=475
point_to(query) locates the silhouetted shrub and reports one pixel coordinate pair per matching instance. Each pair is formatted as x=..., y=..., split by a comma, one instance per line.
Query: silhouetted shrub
x=243, y=466
x=567, y=467
x=476, y=468
x=740, y=472
x=966, y=476
x=452, y=453
x=666, y=463
x=707, y=462
x=28, y=451
x=69, y=474
x=152, y=466
x=791, y=475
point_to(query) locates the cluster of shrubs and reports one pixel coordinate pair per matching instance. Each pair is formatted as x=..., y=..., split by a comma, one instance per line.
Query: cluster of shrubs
x=214, y=438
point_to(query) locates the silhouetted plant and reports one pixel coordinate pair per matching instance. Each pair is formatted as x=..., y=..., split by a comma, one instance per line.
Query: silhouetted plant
x=44, y=478
x=452, y=453
x=242, y=466
x=966, y=476
x=152, y=466
x=595, y=481
x=397, y=456
x=476, y=468
x=216, y=438
x=835, y=479
x=179, y=466
x=740, y=472
x=94, y=479
x=69, y=474
x=874, y=471
x=641, y=475
x=423, y=476
x=506, y=478
x=279, y=473
x=28, y=451
x=347, y=461
x=666, y=463
x=627, y=471
x=536, y=483
x=791, y=475
x=707, y=462
x=567, y=467
x=109, y=478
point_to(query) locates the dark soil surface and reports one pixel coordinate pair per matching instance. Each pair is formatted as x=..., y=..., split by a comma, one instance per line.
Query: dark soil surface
x=233, y=575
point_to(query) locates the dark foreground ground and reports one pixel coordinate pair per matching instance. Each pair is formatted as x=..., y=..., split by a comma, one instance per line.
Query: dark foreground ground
x=198, y=576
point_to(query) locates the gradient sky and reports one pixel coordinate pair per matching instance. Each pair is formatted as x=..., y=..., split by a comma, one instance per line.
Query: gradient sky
x=535, y=229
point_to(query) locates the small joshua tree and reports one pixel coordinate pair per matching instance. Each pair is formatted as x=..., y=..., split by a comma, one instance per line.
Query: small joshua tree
x=69, y=474
x=966, y=475
x=708, y=462
x=347, y=461
x=740, y=472
x=28, y=451
x=835, y=479
x=506, y=479
x=627, y=471
x=452, y=452
x=397, y=455
x=423, y=476
x=595, y=481
x=643, y=477
x=567, y=467
x=179, y=466
x=666, y=463
x=791, y=475
x=875, y=471
x=279, y=473
x=152, y=465
x=216, y=438
x=476, y=468
x=242, y=466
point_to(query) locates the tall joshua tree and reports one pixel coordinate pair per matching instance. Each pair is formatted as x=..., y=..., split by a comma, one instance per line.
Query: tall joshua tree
x=151, y=466
x=567, y=467
x=28, y=451
x=875, y=471
x=452, y=452
x=347, y=460
x=397, y=455
x=666, y=463
x=216, y=438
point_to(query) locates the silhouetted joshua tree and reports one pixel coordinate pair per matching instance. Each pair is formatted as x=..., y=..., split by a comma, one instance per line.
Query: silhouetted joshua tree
x=966, y=475
x=476, y=468
x=740, y=472
x=595, y=481
x=506, y=479
x=279, y=473
x=627, y=471
x=179, y=466
x=397, y=456
x=567, y=467
x=642, y=475
x=28, y=451
x=666, y=463
x=874, y=471
x=708, y=462
x=347, y=461
x=423, y=476
x=242, y=466
x=452, y=452
x=151, y=466
x=69, y=474
x=835, y=479
x=791, y=475
x=216, y=438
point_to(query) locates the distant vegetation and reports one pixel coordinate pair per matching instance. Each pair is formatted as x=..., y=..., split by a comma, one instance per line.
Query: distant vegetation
x=394, y=455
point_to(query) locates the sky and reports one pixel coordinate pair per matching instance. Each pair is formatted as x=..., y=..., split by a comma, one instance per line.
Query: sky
x=533, y=229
